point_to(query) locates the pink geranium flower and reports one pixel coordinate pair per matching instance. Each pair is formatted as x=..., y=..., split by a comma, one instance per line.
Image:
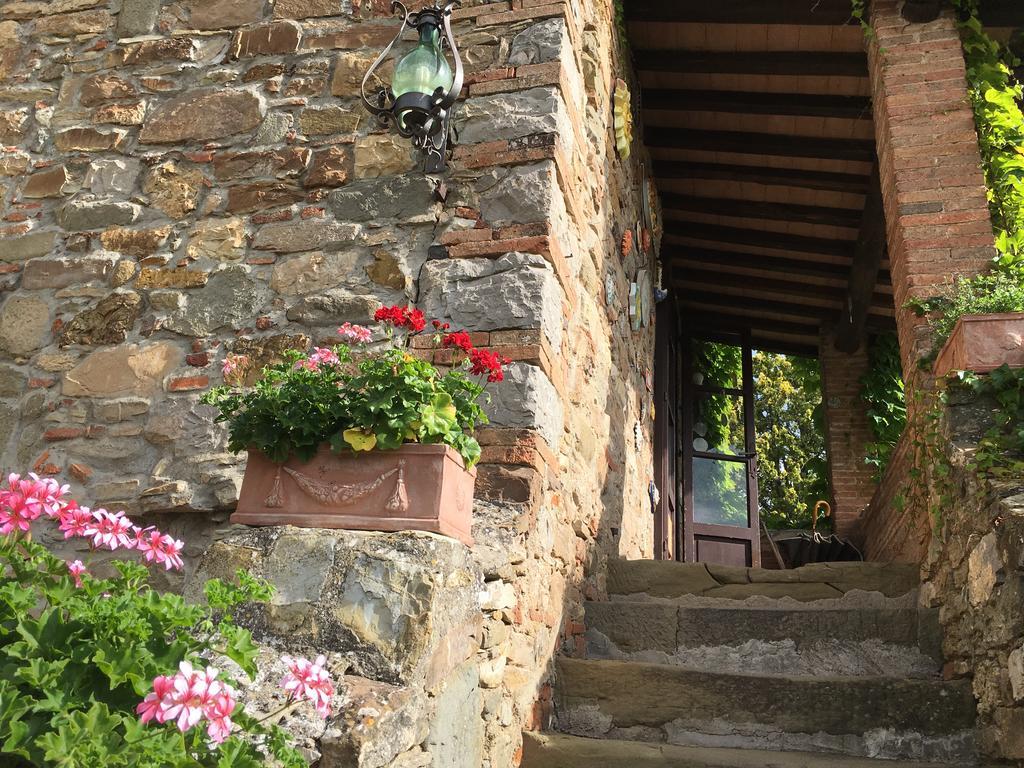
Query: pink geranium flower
x=309, y=680
x=232, y=363
x=193, y=692
x=355, y=333
x=218, y=714
x=74, y=520
x=158, y=701
x=160, y=548
x=110, y=529
x=318, y=358
x=21, y=502
x=76, y=568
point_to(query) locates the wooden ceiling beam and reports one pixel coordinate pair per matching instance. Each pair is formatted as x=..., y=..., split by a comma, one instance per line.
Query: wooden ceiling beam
x=736, y=259
x=803, y=12
x=864, y=273
x=756, y=103
x=782, y=177
x=757, y=209
x=775, y=144
x=814, y=63
x=798, y=292
x=780, y=240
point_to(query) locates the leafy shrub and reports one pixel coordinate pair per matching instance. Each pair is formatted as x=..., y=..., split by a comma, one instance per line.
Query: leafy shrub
x=358, y=398
x=984, y=294
x=110, y=672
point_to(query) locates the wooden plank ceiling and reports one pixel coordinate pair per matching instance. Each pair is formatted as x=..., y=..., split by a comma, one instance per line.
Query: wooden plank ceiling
x=758, y=119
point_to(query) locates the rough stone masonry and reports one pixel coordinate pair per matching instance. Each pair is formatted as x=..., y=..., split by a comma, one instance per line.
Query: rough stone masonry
x=184, y=179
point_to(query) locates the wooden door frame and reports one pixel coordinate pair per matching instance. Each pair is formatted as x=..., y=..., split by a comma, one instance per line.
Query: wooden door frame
x=667, y=397
x=690, y=529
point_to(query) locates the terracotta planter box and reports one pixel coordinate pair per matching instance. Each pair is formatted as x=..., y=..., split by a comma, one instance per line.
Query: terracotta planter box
x=982, y=343
x=416, y=488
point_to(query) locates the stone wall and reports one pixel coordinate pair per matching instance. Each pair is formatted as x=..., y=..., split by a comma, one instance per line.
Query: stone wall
x=974, y=572
x=181, y=180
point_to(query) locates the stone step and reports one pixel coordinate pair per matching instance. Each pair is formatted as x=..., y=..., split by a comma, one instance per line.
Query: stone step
x=883, y=717
x=803, y=640
x=821, y=581
x=557, y=750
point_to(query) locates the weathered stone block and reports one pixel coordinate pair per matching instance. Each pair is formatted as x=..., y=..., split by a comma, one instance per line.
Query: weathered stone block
x=109, y=322
x=317, y=121
x=333, y=307
x=12, y=381
x=201, y=115
x=287, y=162
x=230, y=298
x=295, y=236
x=108, y=177
x=509, y=115
x=527, y=398
x=312, y=272
x=225, y=13
x=518, y=290
x=331, y=167
x=382, y=155
x=221, y=239
x=53, y=182
x=403, y=197
x=24, y=324
x=173, y=188
x=105, y=87
x=135, y=242
x=70, y=24
x=89, y=140
x=267, y=39
x=13, y=126
x=518, y=195
x=150, y=279
x=28, y=247
x=122, y=371
x=83, y=215
x=60, y=273
x=121, y=114
x=252, y=197
x=137, y=17
x=304, y=9
x=539, y=43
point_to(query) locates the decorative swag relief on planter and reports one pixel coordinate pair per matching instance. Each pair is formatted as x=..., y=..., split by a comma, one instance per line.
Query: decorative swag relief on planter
x=417, y=487
x=364, y=435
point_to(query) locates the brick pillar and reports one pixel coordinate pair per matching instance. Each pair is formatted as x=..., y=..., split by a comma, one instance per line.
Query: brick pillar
x=936, y=212
x=847, y=433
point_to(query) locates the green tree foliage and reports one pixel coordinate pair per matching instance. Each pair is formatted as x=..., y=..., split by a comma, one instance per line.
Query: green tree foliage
x=882, y=391
x=792, y=470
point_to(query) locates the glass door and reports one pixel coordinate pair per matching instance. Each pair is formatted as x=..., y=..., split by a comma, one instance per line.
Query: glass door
x=720, y=523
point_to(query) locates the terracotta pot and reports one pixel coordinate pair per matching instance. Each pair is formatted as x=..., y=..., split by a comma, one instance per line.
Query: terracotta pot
x=982, y=343
x=416, y=488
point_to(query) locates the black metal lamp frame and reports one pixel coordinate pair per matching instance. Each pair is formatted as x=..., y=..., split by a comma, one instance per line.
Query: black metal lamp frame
x=427, y=118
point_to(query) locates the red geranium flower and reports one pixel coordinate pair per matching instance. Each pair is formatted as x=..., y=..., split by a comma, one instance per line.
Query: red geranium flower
x=459, y=339
x=483, y=361
x=401, y=317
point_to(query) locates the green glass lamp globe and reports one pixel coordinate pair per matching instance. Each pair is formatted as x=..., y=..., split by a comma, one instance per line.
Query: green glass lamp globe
x=424, y=69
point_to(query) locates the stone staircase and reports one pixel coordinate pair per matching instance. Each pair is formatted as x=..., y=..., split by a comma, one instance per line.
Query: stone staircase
x=694, y=666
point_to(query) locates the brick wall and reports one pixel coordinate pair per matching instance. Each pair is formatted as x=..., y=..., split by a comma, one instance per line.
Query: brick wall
x=936, y=209
x=893, y=529
x=847, y=433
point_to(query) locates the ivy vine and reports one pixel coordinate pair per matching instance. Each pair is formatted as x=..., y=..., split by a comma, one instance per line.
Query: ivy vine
x=1001, y=450
x=882, y=392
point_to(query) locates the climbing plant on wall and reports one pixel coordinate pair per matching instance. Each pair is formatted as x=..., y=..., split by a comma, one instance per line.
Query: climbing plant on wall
x=882, y=392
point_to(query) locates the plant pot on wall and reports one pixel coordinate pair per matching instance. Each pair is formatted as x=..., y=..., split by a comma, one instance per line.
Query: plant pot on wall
x=415, y=488
x=982, y=343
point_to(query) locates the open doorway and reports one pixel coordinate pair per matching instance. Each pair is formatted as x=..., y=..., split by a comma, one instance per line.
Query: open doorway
x=741, y=447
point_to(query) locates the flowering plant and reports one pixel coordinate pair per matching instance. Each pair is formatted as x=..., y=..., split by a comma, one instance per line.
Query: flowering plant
x=358, y=397
x=109, y=672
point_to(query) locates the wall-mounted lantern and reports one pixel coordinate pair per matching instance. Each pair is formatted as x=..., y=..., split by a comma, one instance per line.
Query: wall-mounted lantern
x=421, y=99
